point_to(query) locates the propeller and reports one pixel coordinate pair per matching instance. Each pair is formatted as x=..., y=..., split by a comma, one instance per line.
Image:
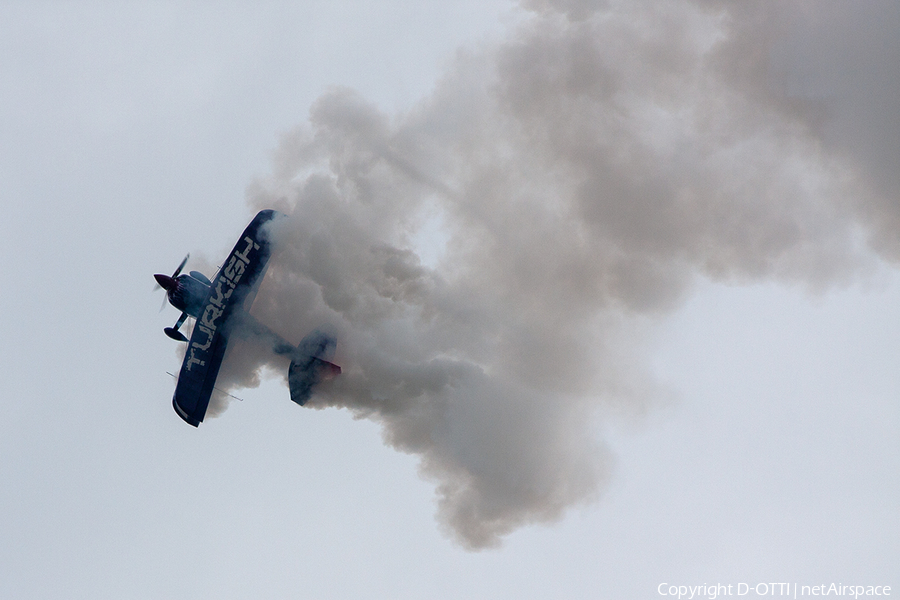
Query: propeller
x=166, y=282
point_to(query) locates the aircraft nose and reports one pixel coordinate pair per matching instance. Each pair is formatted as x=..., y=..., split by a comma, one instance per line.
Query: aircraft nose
x=164, y=281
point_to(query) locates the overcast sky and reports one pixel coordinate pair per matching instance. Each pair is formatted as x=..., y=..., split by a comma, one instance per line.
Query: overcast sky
x=644, y=276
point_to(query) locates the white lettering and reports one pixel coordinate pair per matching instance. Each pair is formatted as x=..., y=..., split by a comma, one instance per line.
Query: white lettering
x=220, y=297
x=209, y=337
x=194, y=361
x=215, y=308
x=210, y=315
x=235, y=269
x=250, y=244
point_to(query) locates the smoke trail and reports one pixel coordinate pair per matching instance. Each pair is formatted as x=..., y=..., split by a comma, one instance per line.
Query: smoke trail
x=485, y=256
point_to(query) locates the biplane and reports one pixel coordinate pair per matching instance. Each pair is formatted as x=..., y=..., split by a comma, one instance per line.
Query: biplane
x=221, y=309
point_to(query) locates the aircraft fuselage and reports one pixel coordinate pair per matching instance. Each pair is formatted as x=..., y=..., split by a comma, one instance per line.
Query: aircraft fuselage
x=188, y=295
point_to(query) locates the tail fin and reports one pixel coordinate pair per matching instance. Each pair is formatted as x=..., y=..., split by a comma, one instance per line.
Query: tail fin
x=310, y=366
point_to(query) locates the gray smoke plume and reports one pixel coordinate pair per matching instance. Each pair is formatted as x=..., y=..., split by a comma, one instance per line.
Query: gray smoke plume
x=488, y=257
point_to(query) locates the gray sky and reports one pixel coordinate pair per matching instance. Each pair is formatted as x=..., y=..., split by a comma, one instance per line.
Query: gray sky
x=660, y=245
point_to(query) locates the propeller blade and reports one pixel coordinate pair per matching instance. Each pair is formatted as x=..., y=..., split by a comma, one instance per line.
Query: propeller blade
x=181, y=266
x=164, y=282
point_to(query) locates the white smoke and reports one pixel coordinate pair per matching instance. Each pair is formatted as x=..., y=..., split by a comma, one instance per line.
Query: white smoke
x=486, y=256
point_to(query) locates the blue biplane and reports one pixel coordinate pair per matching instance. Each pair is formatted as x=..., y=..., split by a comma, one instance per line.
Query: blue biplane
x=221, y=309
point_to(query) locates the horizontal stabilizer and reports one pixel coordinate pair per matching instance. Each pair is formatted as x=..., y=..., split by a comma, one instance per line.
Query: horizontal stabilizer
x=309, y=367
x=304, y=376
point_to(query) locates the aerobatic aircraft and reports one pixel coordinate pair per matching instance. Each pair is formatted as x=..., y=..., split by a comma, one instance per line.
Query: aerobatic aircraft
x=221, y=309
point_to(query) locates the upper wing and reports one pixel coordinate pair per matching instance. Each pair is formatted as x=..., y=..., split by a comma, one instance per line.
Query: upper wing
x=234, y=286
